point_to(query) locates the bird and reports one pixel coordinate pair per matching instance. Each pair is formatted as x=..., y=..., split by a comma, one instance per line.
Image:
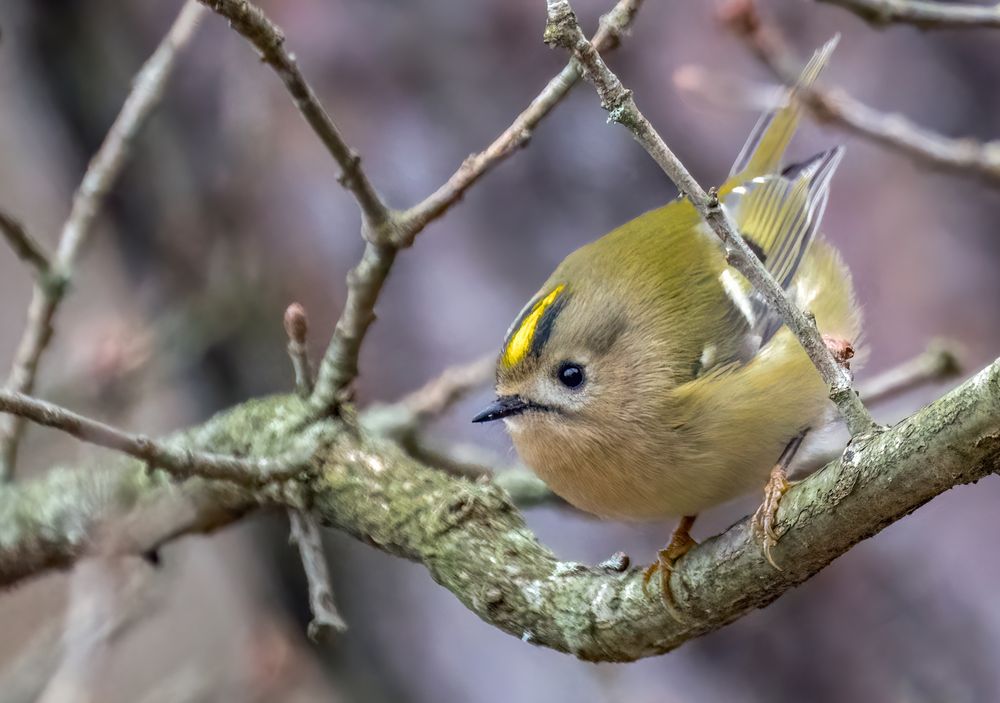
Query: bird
x=647, y=379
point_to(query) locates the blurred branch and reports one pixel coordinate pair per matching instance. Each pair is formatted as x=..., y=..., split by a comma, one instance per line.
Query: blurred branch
x=24, y=245
x=937, y=363
x=923, y=14
x=95, y=596
x=725, y=91
x=475, y=543
x=563, y=30
x=438, y=396
x=306, y=535
x=964, y=156
x=609, y=34
x=472, y=462
x=251, y=22
x=401, y=420
x=101, y=173
x=38, y=659
x=181, y=462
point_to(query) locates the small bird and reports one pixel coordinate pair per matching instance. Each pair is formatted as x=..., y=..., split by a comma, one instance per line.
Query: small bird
x=647, y=379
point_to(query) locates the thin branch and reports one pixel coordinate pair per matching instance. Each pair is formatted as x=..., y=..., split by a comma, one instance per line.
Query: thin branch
x=24, y=245
x=475, y=543
x=923, y=14
x=297, y=328
x=608, y=36
x=963, y=156
x=251, y=22
x=304, y=528
x=937, y=363
x=339, y=366
x=379, y=224
x=563, y=30
x=178, y=461
x=101, y=174
x=306, y=535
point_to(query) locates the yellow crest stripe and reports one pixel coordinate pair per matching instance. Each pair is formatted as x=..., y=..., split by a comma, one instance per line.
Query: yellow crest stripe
x=520, y=341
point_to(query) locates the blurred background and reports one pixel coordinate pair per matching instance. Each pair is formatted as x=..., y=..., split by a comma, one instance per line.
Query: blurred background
x=230, y=209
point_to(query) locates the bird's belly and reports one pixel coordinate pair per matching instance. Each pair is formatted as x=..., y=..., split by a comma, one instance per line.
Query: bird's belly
x=672, y=475
x=658, y=489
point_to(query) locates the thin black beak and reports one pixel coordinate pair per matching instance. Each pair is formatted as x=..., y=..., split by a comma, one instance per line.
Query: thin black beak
x=504, y=406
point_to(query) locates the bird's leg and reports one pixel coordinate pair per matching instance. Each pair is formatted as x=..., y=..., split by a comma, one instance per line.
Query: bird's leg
x=777, y=485
x=680, y=544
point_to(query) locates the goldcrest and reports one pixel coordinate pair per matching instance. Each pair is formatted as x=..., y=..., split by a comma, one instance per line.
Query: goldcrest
x=646, y=378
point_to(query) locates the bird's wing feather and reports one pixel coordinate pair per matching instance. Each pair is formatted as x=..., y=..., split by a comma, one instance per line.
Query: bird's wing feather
x=779, y=215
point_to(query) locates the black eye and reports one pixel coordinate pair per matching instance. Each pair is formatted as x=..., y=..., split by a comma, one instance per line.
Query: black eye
x=570, y=374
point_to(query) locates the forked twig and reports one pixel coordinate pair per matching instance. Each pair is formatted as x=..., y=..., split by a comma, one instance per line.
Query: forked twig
x=101, y=173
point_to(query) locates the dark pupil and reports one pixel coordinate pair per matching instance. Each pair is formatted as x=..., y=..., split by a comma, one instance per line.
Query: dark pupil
x=570, y=375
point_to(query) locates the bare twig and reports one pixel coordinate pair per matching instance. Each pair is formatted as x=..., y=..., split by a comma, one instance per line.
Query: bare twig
x=339, y=366
x=297, y=327
x=305, y=533
x=963, y=156
x=938, y=363
x=24, y=245
x=563, y=30
x=926, y=14
x=102, y=172
x=304, y=528
x=178, y=461
x=608, y=36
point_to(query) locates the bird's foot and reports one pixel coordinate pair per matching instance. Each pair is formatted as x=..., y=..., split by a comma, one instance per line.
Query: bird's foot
x=766, y=517
x=680, y=544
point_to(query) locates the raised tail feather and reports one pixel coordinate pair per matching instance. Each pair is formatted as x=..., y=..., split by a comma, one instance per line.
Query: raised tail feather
x=778, y=211
x=764, y=149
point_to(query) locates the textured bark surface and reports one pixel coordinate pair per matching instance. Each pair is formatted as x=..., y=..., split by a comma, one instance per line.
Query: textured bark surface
x=474, y=542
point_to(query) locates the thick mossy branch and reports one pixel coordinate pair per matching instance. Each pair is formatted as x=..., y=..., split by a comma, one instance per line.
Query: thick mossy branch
x=475, y=543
